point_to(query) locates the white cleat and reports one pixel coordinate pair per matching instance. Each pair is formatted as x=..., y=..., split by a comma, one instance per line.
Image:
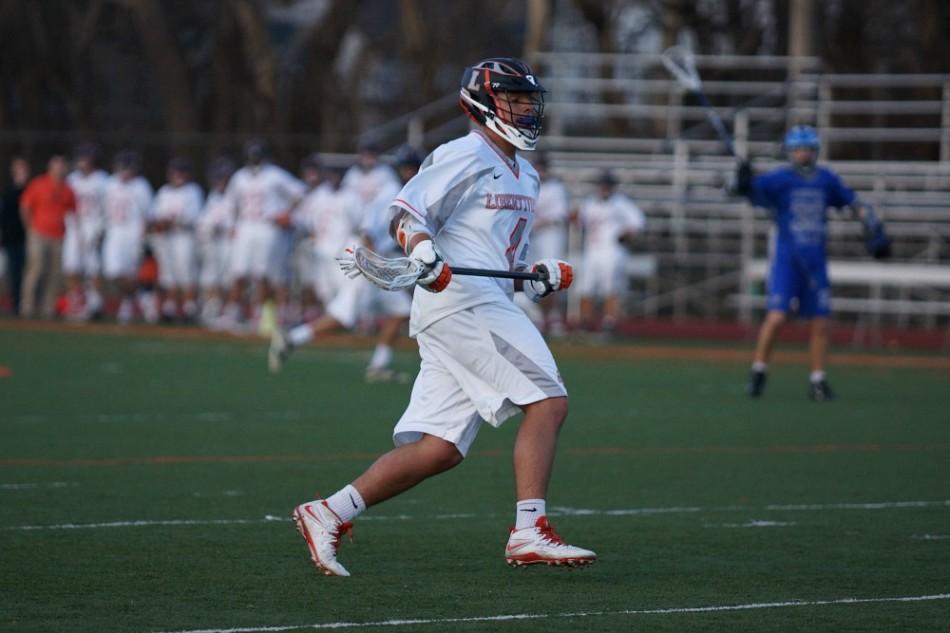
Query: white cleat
x=322, y=529
x=540, y=545
x=278, y=351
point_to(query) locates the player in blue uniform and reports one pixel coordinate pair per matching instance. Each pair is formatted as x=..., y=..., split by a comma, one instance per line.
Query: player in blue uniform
x=798, y=196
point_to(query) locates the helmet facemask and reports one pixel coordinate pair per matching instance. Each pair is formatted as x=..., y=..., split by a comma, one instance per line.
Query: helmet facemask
x=493, y=93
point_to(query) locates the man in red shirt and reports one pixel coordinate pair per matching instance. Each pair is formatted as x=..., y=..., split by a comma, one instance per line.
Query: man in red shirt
x=44, y=206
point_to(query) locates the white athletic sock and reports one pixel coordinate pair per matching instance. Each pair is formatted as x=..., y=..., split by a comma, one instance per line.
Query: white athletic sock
x=527, y=512
x=382, y=356
x=817, y=376
x=760, y=367
x=347, y=503
x=300, y=335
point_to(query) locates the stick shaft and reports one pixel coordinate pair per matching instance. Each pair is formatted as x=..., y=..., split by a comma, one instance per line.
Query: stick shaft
x=503, y=274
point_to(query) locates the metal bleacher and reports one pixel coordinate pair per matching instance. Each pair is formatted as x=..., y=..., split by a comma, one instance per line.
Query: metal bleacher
x=639, y=124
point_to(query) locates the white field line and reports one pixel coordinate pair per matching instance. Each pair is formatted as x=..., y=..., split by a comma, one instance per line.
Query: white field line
x=931, y=537
x=574, y=615
x=554, y=512
x=754, y=523
x=33, y=485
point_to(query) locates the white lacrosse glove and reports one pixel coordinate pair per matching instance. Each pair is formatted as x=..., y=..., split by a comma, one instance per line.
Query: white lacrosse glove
x=560, y=275
x=436, y=273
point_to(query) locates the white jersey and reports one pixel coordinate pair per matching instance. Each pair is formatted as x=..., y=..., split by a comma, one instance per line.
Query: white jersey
x=367, y=184
x=331, y=217
x=552, y=203
x=179, y=205
x=606, y=220
x=479, y=206
x=127, y=204
x=217, y=217
x=263, y=193
x=90, y=192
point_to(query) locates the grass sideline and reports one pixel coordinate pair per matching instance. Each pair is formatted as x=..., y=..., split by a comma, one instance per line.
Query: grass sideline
x=177, y=461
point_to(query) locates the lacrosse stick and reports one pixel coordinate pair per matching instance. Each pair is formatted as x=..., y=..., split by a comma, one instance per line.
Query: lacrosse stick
x=680, y=62
x=394, y=273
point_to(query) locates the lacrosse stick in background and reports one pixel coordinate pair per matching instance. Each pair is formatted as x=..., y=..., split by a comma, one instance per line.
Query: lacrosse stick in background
x=680, y=62
x=394, y=273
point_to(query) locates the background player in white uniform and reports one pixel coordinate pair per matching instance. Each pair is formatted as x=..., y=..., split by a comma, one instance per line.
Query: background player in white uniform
x=175, y=212
x=331, y=214
x=549, y=237
x=303, y=259
x=356, y=297
x=368, y=177
x=215, y=232
x=264, y=196
x=82, y=257
x=128, y=201
x=610, y=219
x=482, y=358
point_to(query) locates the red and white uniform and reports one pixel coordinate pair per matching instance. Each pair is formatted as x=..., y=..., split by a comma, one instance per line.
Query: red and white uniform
x=84, y=227
x=549, y=237
x=215, y=229
x=605, y=221
x=259, y=196
x=331, y=217
x=367, y=184
x=481, y=355
x=175, y=248
x=127, y=207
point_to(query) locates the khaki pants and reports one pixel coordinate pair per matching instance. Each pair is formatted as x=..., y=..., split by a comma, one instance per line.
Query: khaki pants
x=44, y=266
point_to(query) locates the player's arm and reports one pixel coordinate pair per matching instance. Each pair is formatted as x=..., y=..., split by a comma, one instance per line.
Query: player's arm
x=415, y=239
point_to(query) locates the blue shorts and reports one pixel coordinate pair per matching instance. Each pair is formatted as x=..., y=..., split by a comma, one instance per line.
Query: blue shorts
x=807, y=284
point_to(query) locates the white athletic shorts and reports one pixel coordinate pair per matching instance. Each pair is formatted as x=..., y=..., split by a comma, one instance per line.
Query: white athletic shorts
x=80, y=253
x=478, y=365
x=602, y=273
x=177, y=265
x=253, y=251
x=121, y=253
x=358, y=297
x=215, y=263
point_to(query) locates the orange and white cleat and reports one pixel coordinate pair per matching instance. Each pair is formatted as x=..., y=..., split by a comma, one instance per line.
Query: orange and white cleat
x=540, y=545
x=322, y=529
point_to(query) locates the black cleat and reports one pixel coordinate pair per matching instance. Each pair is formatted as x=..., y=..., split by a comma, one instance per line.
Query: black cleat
x=820, y=391
x=756, y=383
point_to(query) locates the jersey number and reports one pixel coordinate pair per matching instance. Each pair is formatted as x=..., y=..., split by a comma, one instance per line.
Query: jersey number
x=514, y=241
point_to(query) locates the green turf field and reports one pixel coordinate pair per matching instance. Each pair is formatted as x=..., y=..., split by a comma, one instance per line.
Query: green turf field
x=146, y=485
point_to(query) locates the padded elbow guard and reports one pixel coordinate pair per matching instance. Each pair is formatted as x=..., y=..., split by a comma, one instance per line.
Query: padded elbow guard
x=406, y=227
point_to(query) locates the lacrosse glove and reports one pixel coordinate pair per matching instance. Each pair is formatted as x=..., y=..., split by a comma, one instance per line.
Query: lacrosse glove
x=436, y=274
x=560, y=274
x=876, y=241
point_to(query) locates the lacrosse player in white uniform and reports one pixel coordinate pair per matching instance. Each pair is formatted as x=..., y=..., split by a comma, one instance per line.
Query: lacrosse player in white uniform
x=368, y=177
x=610, y=220
x=356, y=297
x=128, y=202
x=265, y=197
x=471, y=204
x=331, y=214
x=175, y=213
x=82, y=259
x=215, y=232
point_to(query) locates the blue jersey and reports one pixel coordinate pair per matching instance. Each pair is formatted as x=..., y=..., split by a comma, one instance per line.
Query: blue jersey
x=799, y=204
x=798, y=275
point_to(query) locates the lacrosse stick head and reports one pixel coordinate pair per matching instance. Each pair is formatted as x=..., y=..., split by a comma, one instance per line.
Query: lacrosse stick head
x=389, y=273
x=680, y=62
